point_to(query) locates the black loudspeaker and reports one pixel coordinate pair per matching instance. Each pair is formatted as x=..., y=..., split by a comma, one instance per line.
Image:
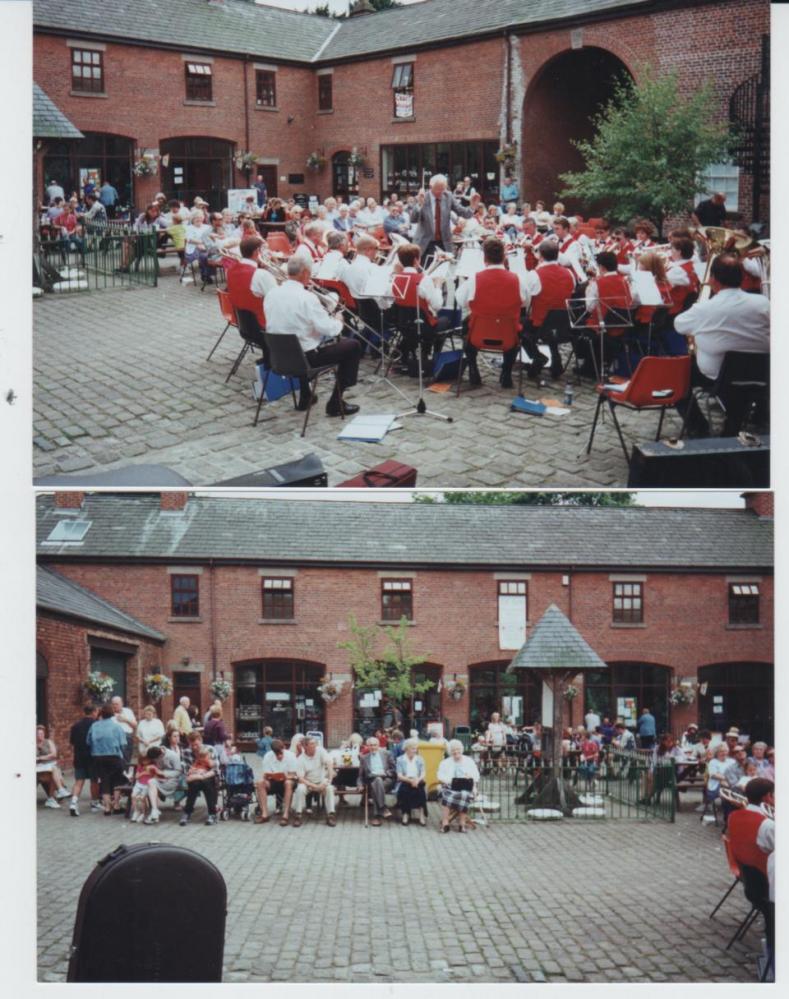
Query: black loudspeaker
x=706, y=463
x=127, y=930
x=307, y=471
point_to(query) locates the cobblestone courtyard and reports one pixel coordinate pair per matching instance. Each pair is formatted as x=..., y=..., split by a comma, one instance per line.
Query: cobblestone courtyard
x=514, y=902
x=121, y=377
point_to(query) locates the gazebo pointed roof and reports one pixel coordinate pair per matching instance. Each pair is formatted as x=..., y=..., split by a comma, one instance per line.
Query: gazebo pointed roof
x=555, y=644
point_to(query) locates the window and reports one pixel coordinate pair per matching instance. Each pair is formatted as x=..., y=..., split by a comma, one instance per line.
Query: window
x=185, y=596
x=628, y=603
x=278, y=599
x=280, y=693
x=69, y=530
x=404, y=165
x=397, y=600
x=87, y=71
x=743, y=603
x=516, y=695
x=198, y=81
x=403, y=89
x=266, y=88
x=325, y=95
x=723, y=177
x=512, y=613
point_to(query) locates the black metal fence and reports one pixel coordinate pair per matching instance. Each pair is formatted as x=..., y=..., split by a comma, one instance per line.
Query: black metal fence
x=633, y=785
x=109, y=255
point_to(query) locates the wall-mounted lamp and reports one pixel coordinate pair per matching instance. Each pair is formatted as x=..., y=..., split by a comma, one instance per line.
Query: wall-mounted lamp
x=291, y=118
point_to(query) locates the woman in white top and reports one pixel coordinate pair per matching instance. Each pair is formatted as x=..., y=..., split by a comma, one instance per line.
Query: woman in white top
x=150, y=731
x=456, y=766
x=716, y=770
x=410, y=789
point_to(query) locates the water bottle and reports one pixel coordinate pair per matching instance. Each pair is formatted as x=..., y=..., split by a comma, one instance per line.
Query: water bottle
x=568, y=394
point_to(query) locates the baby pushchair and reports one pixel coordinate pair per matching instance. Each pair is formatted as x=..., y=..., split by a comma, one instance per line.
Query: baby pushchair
x=238, y=791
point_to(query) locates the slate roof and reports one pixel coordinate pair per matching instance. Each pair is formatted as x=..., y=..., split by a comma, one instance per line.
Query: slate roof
x=49, y=122
x=241, y=26
x=62, y=596
x=410, y=534
x=555, y=643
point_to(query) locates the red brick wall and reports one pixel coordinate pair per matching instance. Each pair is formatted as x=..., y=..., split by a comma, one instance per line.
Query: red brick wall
x=762, y=504
x=64, y=644
x=455, y=617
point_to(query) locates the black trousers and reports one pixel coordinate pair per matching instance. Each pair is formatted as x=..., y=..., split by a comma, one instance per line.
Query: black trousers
x=410, y=798
x=696, y=421
x=109, y=772
x=208, y=789
x=345, y=352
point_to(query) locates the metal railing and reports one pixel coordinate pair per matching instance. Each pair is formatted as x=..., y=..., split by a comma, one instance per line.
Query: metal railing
x=620, y=786
x=108, y=255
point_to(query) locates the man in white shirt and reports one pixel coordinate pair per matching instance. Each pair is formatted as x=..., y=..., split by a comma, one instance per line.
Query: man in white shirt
x=311, y=247
x=280, y=771
x=125, y=718
x=592, y=721
x=290, y=308
x=54, y=190
x=334, y=266
x=732, y=320
x=315, y=772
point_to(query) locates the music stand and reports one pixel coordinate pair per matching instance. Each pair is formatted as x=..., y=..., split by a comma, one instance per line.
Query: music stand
x=420, y=407
x=606, y=316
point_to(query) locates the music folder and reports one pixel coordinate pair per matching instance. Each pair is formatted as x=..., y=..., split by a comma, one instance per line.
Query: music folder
x=378, y=284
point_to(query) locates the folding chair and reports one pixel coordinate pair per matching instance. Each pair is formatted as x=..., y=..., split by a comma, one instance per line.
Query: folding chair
x=278, y=242
x=757, y=892
x=743, y=384
x=657, y=383
x=492, y=334
x=228, y=314
x=556, y=329
x=286, y=358
x=251, y=334
x=734, y=867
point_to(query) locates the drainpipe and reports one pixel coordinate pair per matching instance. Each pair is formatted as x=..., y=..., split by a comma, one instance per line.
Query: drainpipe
x=508, y=70
x=246, y=104
x=212, y=622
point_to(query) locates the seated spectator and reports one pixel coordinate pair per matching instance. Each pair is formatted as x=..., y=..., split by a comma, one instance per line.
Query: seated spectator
x=47, y=763
x=147, y=770
x=624, y=740
x=454, y=797
x=769, y=770
x=315, y=773
x=196, y=249
x=280, y=770
x=716, y=772
x=201, y=778
x=172, y=782
x=410, y=790
x=150, y=731
x=83, y=763
x=107, y=742
x=751, y=771
x=377, y=773
x=759, y=757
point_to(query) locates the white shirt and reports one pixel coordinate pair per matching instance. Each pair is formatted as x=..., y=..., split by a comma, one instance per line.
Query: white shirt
x=731, y=320
x=149, y=730
x=287, y=765
x=314, y=769
x=196, y=234
x=465, y=767
x=357, y=273
x=497, y=734
x=339, y=265
x=468, y=289
x=411, y=766
x=290, y=308
x=303, y=251
x=592, y=721
x=677, y=276
x=125, y=718
x=262, y=282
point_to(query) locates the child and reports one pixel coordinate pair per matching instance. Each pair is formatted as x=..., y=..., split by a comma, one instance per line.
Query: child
x=232, y=753
x=146, y=771
x=264, y=743
x=751, y=771
x=177, y=233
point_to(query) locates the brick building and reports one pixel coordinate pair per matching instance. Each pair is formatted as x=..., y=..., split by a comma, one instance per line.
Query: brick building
x=436, y=86
x=260, y=591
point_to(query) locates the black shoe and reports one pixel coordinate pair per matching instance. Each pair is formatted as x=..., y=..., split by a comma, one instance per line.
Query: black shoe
x=556, y=374
x=505, y=380
x=473, y=374
x=333, y=409
x=305, y=402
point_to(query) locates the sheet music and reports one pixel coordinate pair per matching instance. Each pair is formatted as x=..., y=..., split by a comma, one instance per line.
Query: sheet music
x=379, y=283
x=646, y=288
x=518, y=262
x=472, y=261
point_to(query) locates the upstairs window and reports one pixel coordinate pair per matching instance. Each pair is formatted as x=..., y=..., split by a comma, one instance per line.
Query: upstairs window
x=628, y=603
x=278, y=599
x=403, y=89
x=397, y=600
x=512, y=613
x=185, y=596
x=743, y=603
x=198, y=81
x=87, y=71
x=266, y=88
x=325, y=92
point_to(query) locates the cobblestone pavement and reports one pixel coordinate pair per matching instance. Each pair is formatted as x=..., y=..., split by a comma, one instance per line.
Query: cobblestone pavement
x=605, y=901
x=121, y=377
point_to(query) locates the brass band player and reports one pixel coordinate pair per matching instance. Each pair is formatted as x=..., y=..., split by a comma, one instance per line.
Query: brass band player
x=412, y=289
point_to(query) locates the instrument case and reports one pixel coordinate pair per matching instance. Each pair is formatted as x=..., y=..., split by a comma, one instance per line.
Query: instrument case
x=307, y=472
x=387, y=475
x=151, y=912
x=703, y=463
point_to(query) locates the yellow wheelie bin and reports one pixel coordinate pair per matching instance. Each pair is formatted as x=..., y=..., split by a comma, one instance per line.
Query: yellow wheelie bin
x=432, y=753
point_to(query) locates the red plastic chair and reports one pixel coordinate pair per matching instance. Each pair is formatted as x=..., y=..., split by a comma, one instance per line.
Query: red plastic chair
x=492, y=334
x=342, y=290
x=228, y=314
x=278, y=242
x=657, y=383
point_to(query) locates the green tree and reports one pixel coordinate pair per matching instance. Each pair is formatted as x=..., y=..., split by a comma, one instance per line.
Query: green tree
x=652, y=142
x=388, y=668
x=493, y=498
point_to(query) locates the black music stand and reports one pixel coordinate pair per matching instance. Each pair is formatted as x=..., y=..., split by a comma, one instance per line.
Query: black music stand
x=606, y=317
x=420, y=407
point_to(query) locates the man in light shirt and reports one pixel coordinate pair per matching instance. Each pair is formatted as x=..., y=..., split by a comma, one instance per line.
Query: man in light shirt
x=290, y=308
x=279, y=775
x=732, y=320
x=315, y=772
x=181, y=718
x=124, y=717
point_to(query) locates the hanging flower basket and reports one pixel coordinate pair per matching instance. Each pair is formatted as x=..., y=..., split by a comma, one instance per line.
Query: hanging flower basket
x=684, y=694
x=507, y=153
x=355, y=158
x=147, y=166
x=330, y=689
x=157, y=686
x=245, y=160
x=316, y=162
x=570, y=692
x=221, y=689
x=99, y=687
x=456, y=689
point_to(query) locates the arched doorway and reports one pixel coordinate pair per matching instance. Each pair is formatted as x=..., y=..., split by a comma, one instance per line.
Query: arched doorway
x=280, y=693
x=98, y=157
x=624, y=689
x=345, y=177
x=197, y=165
x=415, y=712
x=515, y=695
x=739, y=694
x=559, y=107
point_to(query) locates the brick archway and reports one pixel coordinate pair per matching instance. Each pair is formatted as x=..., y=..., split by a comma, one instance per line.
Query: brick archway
x=560, y=102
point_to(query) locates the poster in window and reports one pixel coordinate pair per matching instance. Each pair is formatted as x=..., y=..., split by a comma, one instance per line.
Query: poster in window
x=512, y=621
x=404, y=104
x=237, y=196
x=626, y=709
x=89, y=175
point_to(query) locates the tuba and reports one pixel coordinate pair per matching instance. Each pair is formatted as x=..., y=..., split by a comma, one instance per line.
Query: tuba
x=717, y=241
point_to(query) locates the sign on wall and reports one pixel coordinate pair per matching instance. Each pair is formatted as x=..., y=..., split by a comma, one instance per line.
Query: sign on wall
x=236, y=197
x=404, y=105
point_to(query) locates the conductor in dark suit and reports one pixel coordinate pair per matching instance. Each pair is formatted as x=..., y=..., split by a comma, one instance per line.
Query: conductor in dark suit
x=432, y=216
